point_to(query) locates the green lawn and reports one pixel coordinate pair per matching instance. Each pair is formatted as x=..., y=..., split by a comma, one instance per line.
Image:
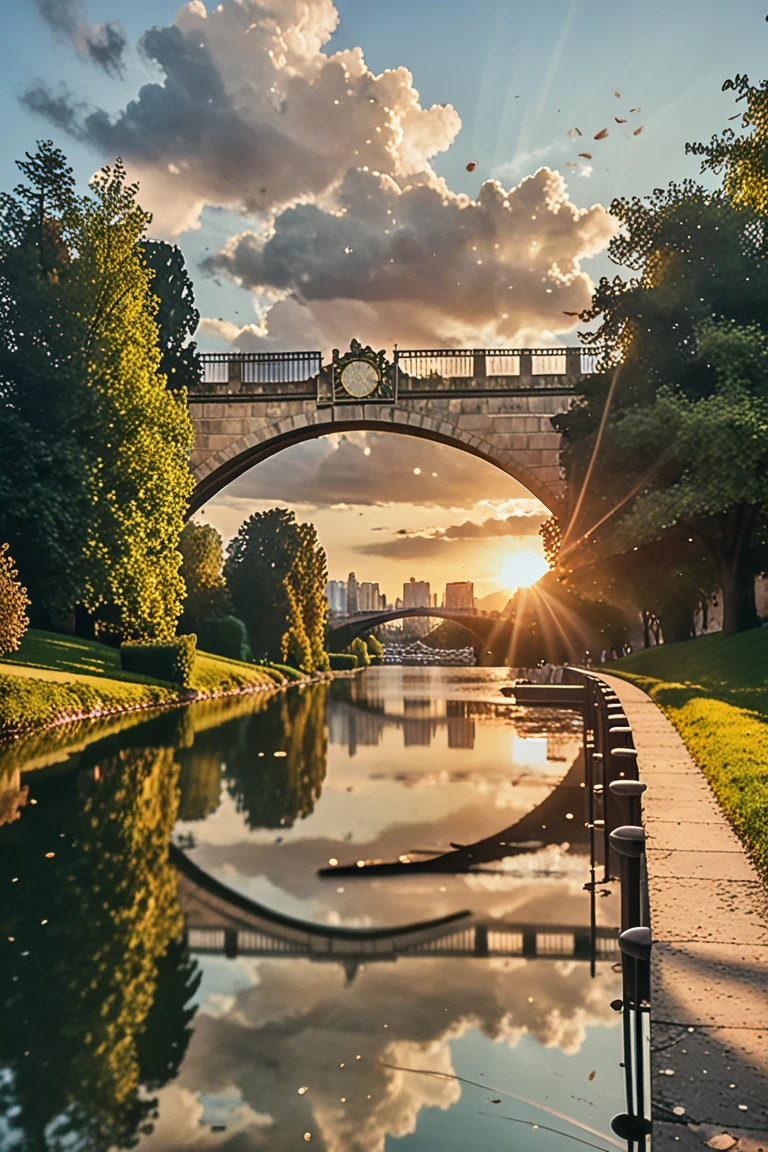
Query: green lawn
x=715, y=691
x=54, y=677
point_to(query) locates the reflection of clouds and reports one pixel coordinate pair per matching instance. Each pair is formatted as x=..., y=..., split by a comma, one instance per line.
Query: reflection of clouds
x=300, y=1024
x=184, y=1122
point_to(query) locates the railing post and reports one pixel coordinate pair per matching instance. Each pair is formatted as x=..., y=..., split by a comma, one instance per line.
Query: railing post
x=478, y=366
x=629, y=792
x=526, y=367
x=234, y=373
x=573, y=363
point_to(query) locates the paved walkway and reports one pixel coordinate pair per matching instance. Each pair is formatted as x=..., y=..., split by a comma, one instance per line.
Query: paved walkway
x=709, y=916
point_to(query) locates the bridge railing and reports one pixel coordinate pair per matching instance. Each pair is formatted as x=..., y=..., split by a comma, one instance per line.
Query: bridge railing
x=238, y=369
x=485, y=363
x=260, y=367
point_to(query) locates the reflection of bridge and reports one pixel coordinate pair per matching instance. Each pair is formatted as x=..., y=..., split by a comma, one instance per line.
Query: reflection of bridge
x=495, y=403
x=220, y=920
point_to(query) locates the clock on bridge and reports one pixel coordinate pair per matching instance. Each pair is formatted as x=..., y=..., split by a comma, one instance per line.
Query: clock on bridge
x=359, y=375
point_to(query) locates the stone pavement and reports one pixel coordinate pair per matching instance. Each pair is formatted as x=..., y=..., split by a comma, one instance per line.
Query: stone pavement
x=709, y=917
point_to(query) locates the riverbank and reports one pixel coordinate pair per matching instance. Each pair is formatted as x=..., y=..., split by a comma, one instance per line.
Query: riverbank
x=55, y=679
x=714, y=690
x=709, y=1009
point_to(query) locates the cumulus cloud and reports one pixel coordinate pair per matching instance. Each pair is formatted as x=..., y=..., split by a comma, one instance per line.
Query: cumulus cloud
x=370, y=468
x=424, y=266
x=102, y=44
x=298, y=1026
x=253, y=114
x=420, y=544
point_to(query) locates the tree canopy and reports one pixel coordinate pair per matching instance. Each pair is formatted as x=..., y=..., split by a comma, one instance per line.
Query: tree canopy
x=276, y=573
x=94, y=478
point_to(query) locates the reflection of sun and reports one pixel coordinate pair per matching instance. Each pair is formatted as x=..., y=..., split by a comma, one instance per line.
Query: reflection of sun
x=523, y=569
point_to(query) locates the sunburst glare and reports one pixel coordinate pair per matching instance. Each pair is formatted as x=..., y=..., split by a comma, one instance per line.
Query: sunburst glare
x=523, y=569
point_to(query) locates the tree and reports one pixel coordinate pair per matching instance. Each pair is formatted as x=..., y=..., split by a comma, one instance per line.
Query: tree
x=359, y=648
x=94, y=478
x=276, y=574
x=669, y=436
x=177, y=317
x=13, y=605
x=202, y=552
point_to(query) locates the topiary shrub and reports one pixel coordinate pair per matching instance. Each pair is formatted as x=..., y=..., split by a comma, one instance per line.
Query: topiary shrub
x=169, y=660
x=224, y=636
x=359, y=649
x=342, y=661
x=13, y=605
x=375, y=648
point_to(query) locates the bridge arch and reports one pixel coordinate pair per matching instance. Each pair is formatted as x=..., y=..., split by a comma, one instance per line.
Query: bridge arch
x=344, y=630
x=229, y=441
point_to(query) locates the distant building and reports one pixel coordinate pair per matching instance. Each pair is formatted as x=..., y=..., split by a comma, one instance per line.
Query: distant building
x=336, y=594
x=352, y=587
x=368, y=597
x=460, y=594
x=416, y=594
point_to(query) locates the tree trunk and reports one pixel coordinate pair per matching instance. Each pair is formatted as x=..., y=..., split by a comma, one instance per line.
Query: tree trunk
x=726, y=539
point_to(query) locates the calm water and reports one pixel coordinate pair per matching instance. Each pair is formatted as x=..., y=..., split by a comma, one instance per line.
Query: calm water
x=146, y=1005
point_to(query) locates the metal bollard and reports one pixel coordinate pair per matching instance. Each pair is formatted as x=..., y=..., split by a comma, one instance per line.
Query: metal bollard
x=623, y=764
x=635, y=1124
x=629, y=791
x=628, y=842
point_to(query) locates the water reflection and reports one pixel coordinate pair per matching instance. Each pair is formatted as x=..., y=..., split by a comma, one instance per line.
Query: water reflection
x=111, y=1027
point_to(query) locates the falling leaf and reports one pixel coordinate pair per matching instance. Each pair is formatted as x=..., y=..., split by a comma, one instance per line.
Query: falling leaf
x=637, y=131
x=601, y=135
x=638, y=109
x=592, y=1075
x=619, y=121
x=49, y=855
x=721, y=1142
x=738, y=113
x=494, y=1101
x=564, y=314
x=570, y=164
x=471, y=166
x=571, y=132
x=586, y=155
x=617, y=95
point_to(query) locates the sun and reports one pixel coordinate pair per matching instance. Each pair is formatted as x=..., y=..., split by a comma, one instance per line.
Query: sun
x=522, y=569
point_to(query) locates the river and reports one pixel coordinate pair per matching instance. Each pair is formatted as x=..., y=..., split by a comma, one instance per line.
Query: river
x=266, y=987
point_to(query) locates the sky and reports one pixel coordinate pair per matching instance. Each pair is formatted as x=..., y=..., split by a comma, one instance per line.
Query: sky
x=310, y=159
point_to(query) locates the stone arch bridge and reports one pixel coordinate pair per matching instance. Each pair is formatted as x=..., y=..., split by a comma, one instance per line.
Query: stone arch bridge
x=493, y=403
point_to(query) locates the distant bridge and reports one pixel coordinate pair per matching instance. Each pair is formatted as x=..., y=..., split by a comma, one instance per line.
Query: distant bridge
x=342, y=630
x=495, y=403
x=221, y=921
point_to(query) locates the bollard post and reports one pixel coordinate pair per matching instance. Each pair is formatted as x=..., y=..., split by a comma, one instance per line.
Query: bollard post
x=635, y=1125
x=628, y=842
x=623, y=764
x=630, y=792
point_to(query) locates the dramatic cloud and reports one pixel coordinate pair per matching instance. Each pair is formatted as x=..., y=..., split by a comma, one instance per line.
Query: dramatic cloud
x=374, y=468
x=411, y=262
x=439, y=542
x=299, y=1021
x=253, y=115
x=102, y=44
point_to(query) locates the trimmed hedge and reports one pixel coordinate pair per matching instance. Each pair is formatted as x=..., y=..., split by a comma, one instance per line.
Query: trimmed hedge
x=359, y=648
x=376, y=658
x=224, y=636
x=342, y=661
x=172, y=661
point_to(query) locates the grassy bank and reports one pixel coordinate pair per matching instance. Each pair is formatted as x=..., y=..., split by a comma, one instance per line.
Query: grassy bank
x=55, y=679
x=715, y=691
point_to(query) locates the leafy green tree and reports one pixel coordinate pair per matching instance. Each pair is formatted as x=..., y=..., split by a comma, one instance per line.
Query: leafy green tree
x=177, y=316
x=13, y=605
x=669, y=436
x=200, y=777
x=94, y=478
x=276, y=574
x=359, y=648
x=275, y=791
x=202, y=552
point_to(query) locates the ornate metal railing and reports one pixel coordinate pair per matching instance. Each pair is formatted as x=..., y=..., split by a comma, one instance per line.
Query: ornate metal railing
x=260, y=367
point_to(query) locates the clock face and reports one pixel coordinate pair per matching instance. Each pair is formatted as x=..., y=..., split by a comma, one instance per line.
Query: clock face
x=359, y=378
